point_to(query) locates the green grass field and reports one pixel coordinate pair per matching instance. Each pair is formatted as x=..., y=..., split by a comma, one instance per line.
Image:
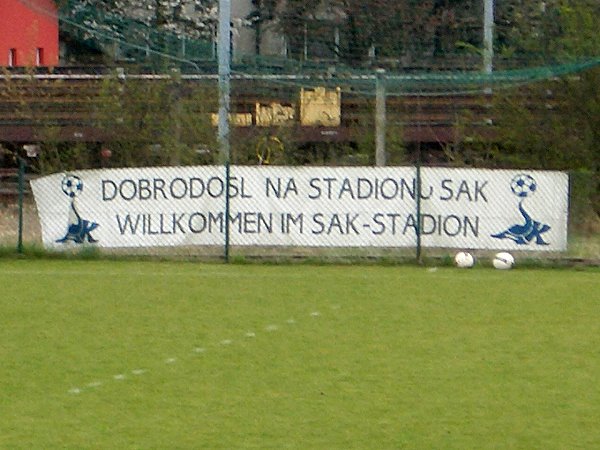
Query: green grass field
x=100, y=354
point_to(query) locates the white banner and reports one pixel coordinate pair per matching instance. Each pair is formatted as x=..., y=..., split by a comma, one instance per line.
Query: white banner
x=304, y=206
x=494, y=209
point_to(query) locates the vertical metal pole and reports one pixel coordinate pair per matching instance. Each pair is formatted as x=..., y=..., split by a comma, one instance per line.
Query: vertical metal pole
x=224, y=54
x=488, y=36
x=21, y=187
x=418, y=206
x=336, y=38
x=227, y=208
x=305, y=50
x=418, y=190
x=380, y=118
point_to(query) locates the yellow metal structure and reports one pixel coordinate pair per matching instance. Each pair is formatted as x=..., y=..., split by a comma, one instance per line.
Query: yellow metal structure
x=236, y=119
x=274, y=114
x=320, y=107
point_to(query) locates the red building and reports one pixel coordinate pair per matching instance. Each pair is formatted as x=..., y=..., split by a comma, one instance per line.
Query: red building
x=28, y=33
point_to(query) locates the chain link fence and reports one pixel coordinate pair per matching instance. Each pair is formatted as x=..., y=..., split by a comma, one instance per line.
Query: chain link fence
x=343, y=166
x=287, y=212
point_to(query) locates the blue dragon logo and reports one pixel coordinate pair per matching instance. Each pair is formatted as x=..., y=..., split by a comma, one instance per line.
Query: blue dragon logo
x=79, y=230
x=523, y=186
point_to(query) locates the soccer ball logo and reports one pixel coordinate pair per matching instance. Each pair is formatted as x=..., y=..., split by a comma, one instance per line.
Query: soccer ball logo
x=72, y=185
x=79, y=230
x=523, y=185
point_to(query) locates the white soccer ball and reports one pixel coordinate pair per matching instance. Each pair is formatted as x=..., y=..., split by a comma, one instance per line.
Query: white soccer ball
x=464, y=260
x=523, y=185
x=72, y=185
x=503, y=261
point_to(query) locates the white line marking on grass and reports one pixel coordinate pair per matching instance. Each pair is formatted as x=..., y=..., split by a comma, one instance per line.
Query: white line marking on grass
x=172, y=360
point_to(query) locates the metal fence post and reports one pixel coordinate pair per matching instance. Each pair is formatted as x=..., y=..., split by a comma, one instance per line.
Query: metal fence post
x=21, y=184
x=227, y=176
x=418, y=190
x=380, y=118
x=418, y=208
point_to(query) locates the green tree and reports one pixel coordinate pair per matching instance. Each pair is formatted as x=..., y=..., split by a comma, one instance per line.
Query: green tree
x=556, y=124
x=141, y=28
x=407, y=30
x=157, y=122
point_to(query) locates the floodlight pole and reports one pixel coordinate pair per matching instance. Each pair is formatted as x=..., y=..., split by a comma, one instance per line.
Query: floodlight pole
x=488, y=36
x=224, y=57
